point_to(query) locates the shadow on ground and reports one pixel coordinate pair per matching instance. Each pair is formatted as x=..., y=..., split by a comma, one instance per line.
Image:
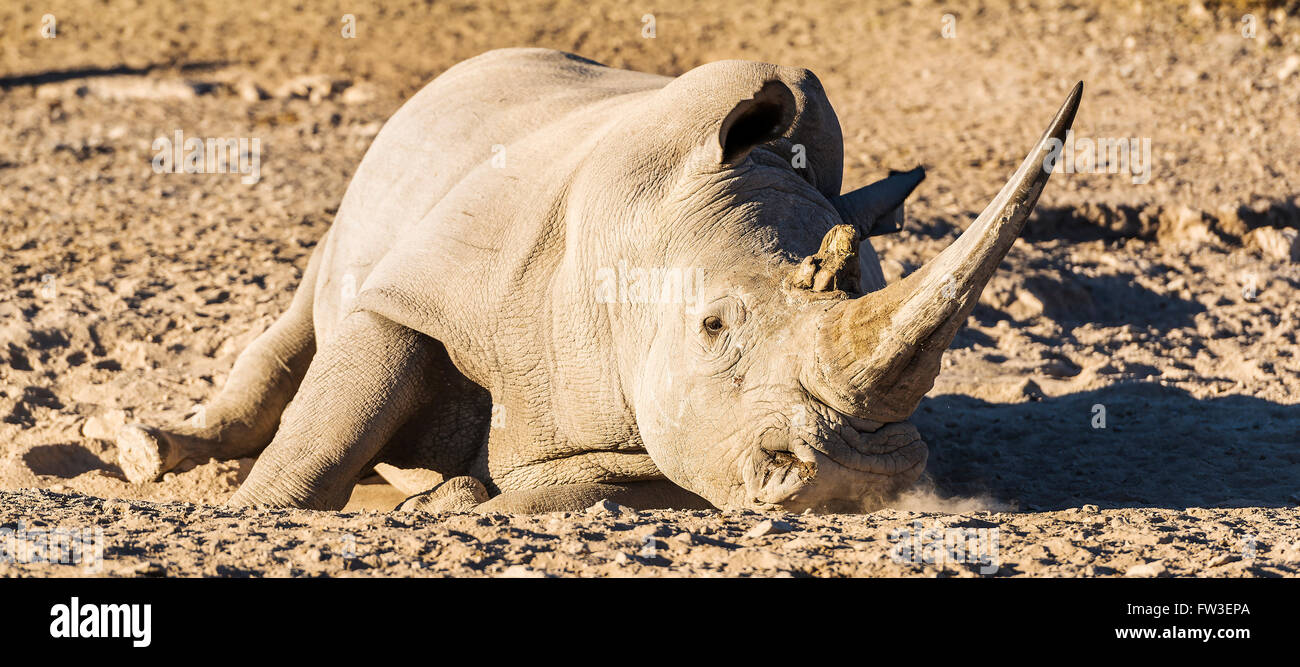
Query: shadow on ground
x=60, y=75
x=1074, y=299
x=1160, y=447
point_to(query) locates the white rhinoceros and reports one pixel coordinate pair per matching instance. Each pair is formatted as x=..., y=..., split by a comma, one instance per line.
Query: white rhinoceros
x=552, y=282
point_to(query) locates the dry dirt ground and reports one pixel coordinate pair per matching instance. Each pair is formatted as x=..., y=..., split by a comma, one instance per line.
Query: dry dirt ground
x=1163, y=302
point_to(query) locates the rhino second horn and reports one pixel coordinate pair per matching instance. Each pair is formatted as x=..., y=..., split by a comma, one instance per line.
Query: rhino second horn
x=876, y=356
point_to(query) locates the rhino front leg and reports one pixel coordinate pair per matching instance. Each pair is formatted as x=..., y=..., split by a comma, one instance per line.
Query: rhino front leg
x=466, y=494
x=242, y=419
x=358, y=390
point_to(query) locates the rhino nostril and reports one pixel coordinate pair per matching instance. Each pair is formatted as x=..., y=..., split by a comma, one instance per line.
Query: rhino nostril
x=784, y=464
x=783, y=459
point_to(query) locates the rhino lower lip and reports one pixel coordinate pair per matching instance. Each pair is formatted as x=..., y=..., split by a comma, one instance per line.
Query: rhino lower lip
x=788, y=470
x=886, y=459
x=772, y=476
x=843, y=455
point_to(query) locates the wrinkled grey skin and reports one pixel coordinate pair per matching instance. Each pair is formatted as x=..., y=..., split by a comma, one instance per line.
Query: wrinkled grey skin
x=476, y=313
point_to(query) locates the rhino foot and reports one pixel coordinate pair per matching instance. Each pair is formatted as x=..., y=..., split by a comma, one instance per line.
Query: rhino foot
x=145, y=453
x=458, y=494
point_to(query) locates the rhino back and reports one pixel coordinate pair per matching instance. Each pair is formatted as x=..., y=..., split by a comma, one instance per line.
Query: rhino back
x=428, y=189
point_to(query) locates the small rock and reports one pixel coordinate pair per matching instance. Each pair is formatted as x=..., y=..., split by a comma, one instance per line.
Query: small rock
x=521, y=572
x=367, y=130
x=621, y=558
x=143, y=88
x=124, y=288
x=103, y=426
x=683, y=538
x=1029, y=305
x=769, y=527
x=1089, y=509
x=250, y=92
x=312, y=87
x=1279, y=244
x=1289, y=67
x=606, y=507
x=1182, y=225
x=1060, y=367
x=1229, y=222
x=149, y=569
x=314, y=555
x=1220, y=559
x=1155, y=568
x=358, y=94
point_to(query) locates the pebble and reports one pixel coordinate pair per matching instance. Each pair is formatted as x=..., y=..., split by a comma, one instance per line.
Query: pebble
x=149, y=569
x=1282, y=245
x=250, y=92
x=1220, y=559
x=358, y=94
x=521, y=572
x=103, y=426
x=607, y=507
x=367, y=130
x=769, y=527
x=1155, y=568
x=313, y=87
x=1289, y=67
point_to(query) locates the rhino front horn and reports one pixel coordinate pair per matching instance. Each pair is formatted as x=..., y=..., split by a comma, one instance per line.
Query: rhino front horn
x=876, y=356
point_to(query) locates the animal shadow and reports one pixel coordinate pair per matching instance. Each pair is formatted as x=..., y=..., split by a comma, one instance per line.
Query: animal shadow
x=1130, y=445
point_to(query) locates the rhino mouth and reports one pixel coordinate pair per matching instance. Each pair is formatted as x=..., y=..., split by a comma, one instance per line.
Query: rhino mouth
x=840, y=463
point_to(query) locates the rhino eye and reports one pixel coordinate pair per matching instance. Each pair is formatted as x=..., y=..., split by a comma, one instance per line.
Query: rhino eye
x=713, y=324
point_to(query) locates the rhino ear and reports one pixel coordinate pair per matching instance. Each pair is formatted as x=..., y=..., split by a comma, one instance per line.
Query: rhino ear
x=878, y=208
x=764, y=117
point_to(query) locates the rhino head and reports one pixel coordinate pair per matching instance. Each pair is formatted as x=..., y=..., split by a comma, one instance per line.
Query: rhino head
x=765, y=360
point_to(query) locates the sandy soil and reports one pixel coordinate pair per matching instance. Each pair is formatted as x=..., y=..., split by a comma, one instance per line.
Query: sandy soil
x=1169, y=303
x=185, y=539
